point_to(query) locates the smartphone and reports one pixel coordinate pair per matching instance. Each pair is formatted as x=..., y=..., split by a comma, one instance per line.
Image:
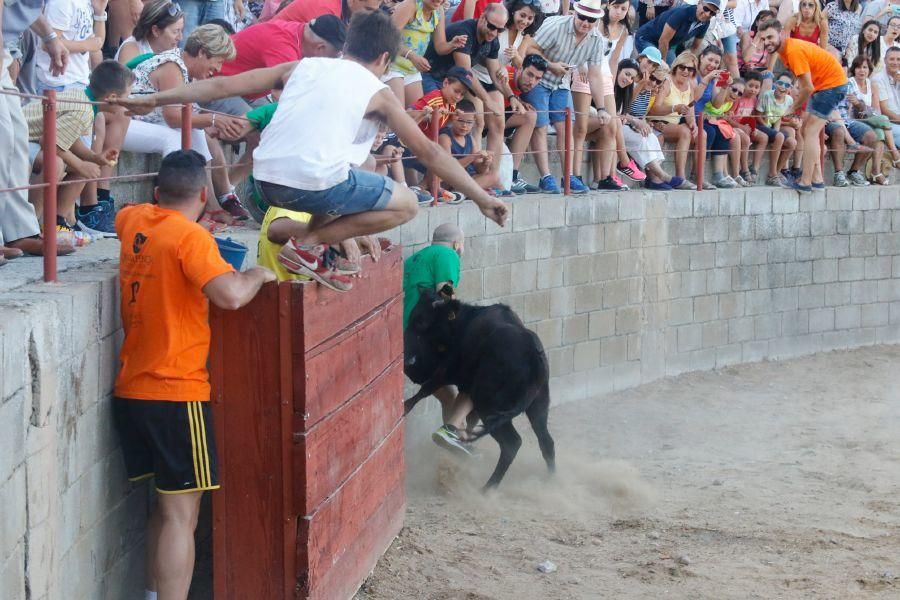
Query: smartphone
x=723, y=79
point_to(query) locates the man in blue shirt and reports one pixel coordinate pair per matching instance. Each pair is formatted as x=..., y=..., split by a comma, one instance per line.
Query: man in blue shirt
x=682, y=27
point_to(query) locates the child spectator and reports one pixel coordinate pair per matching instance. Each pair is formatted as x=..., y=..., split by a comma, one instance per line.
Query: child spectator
x=739, y=140
x=456, y=139
x=772, y=106
x=440, y=104
x=74, y=123
x=745, y=121
x=838, y=128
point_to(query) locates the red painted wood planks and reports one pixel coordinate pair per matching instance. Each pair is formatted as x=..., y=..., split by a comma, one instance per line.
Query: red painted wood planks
x=336, y=446
x=327, y=313
x=359, y=510
x=347, y=363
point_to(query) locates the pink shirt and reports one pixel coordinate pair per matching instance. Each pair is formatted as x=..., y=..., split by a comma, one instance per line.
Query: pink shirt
x=305, y=11
x=265, y=45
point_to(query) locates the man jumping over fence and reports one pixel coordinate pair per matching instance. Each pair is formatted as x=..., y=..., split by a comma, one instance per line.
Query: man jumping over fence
x=323, y=130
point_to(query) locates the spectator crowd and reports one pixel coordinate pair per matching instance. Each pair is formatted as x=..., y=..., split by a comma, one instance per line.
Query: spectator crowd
x=642, y=79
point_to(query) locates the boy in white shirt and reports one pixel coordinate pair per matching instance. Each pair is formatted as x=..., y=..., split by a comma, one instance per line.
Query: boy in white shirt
x=81, y=27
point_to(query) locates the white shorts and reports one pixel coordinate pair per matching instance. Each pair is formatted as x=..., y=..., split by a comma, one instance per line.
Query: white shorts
x=158, y=138
x=407, y=79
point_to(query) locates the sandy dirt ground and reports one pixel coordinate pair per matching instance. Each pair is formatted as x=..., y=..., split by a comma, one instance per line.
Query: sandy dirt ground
x=771, y=480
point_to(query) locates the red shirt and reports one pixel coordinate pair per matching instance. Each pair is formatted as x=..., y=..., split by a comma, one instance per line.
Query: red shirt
x=436, y=102
x=480, y=5
x=265, y=45
x=513, y=84
x=305, y=11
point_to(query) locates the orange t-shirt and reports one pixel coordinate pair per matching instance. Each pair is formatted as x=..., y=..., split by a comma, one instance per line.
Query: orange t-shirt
x=802, y=58
x=164, y=262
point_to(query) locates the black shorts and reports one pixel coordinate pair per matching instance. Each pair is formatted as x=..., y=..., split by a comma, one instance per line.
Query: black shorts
x=171, y=441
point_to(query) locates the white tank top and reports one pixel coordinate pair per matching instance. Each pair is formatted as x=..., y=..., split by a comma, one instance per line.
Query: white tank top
x=319, y=130
x=143, y=46
x=867, y=97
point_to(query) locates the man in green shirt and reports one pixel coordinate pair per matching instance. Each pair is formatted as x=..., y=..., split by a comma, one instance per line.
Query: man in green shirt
x=432, y=268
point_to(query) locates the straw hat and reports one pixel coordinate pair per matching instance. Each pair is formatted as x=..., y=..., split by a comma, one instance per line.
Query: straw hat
x=589, y=8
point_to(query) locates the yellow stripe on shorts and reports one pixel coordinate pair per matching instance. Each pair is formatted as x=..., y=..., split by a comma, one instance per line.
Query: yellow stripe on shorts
x=205, y=462
x=192, y=422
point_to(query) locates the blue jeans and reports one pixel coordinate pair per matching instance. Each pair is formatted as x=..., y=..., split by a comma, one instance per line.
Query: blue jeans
x=823, y=102
x=544, y=99
x=362, y=191
x=200, y=12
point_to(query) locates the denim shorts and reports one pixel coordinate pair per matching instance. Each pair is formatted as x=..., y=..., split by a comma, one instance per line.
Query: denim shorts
x=857, y=129
x=543, y=99
x=770, y=133
x=823, y=103
x=431, y=83
x=363, y=191
x=729, y=44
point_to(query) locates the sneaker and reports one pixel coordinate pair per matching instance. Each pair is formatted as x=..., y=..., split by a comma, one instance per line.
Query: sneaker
x=231, y=204
x=753, y=175
x=608, y=185
x=840, y=179
x=548, y=185
x=308, y=260
x=818, y=185
x=446, y=437
x=423, y=197
x=803, y=189
x=96, y=222
x=576, y=186
x=857, y=178
x=720, y=180
x=618, y=181
x=742, y=182
x=498, y=193
x=631, y=171
x=520, y=186
x=787, y=176
x=653, y=185
x=796, y=172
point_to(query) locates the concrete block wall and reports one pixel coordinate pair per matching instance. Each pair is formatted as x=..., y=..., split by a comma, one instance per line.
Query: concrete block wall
x=627, y=288
x=71, y=525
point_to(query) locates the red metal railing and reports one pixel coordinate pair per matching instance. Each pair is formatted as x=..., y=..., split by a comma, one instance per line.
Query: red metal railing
x=51, y=178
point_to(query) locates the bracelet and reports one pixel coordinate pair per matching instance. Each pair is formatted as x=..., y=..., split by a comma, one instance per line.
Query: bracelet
x=101, y=18
x=214, y=120
x=49, y=37
x=406, y=56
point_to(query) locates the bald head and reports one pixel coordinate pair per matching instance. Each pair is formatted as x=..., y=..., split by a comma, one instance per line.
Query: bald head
x=496, y=7
x=447, y=233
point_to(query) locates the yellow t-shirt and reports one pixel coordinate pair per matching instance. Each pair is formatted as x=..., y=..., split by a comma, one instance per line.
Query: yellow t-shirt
x=268, y=251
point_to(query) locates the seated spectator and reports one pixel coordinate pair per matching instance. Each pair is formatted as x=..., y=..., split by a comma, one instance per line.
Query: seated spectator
x=739, y=143
x=205, y=50
x=752, y=55
x=744, y=119
x=456, y=139
x=615, y=26
x=887, y=84
x=836, y=130
x=389, y=162
x=869, y=44
x=525, y=18
x=203, y=12
x=810, y=24
x=864, y=102
x=672, y=113
x=159, y=28
x=648, y=60
x=773, y=105
x=880, y=10
x=74, y=124
x=522, y=80
x=420, y=22
x=633, y=97
x=275, y=42
x=567, y=43
x=681, y=28
x=844, y=18
x=305, y=11
x=711, y=80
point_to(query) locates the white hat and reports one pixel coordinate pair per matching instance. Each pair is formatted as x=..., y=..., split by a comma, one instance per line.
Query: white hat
x=589, y=8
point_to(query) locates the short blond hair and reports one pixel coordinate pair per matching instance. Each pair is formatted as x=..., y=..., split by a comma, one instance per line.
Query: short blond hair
x=212, y=40
x=687, y=59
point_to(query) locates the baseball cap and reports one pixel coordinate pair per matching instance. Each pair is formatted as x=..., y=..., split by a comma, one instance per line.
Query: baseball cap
x=464, y=75
x=716, y=3
x=331, y=29
x=653, y=55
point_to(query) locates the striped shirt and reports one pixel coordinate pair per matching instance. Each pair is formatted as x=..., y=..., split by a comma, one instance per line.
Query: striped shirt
x=72, y=120
x=640, y=105
x=556, y=38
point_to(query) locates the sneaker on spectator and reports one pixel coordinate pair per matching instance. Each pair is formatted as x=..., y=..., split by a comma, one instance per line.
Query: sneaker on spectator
x=66, y=234
x=840, y=179
x=803, y=189
x=448, y=438
x=632, y=171
x=776, y=181
x=796, y=172
x=422, y=196
x=95, y=221
x=618, y=181
x=308, y=260
x=818, y=185
x=520, y=186
x=680, y=183
x=548, y=185
x=741, y=181
x=231, y=204
x=576, y=186
x=654, y=185
x=608, y=185
x=720, y=180
x=857, y=178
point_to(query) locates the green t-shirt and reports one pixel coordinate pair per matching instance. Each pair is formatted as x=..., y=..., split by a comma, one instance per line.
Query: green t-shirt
x=425, y=269
x=262, y=115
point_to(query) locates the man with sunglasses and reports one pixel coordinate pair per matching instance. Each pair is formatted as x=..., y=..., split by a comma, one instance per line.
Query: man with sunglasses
x=681, y=28
x=567, y=43
x=821, y=80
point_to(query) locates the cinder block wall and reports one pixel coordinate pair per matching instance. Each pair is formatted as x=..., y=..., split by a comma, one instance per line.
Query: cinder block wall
x=71, y=526
x=625, y=289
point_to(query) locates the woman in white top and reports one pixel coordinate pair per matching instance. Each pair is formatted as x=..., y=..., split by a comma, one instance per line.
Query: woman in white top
x=525, y=17
x=159, y=28
x=863, y=100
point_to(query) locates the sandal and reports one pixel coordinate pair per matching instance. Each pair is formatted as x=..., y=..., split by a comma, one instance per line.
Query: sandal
x=10, y=253
x=896, y=163
x=880, y=179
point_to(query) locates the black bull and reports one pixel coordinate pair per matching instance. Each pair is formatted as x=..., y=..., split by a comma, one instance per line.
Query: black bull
x=488, y=353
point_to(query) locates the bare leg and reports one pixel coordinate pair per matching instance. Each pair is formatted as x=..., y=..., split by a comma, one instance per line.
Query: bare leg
x=539, y=146
x=397, y=87
x=581, y=129
x=761, y=140
x=173, y=563
x=413, y=92
x=811, y=150
x=221, y=183
x=495, y=125
x=524, y=125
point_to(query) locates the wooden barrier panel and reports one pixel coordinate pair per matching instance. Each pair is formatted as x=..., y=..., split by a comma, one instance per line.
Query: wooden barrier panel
x=307, y=392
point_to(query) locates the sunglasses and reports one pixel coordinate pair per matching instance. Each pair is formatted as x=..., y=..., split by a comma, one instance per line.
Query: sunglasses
x=581, y=17
x=687, y=68
x=737, y=91
x=784, y=84
x=655, y=81
x=174, y=9
x=492, y=27
x=708, y=10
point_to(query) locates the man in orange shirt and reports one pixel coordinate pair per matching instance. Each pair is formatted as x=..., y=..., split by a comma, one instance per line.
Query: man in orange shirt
x=169, y=267
x=821, y=80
